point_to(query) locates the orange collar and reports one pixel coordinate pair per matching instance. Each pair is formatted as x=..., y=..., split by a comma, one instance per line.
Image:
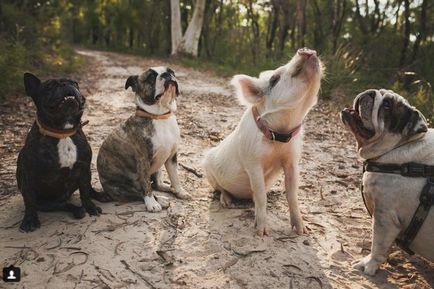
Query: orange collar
x=44, y=130
x=143, y=113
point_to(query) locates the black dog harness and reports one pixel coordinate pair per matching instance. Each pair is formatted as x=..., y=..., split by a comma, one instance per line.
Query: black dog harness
x=426, y=198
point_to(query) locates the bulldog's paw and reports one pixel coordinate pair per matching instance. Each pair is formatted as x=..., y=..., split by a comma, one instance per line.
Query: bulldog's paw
x=367, y=265
x=91, y=208
x=151, y=204
x=298, y=224
x=30, y=223
x=102, y=197
x=163, y=201
x=182, y=194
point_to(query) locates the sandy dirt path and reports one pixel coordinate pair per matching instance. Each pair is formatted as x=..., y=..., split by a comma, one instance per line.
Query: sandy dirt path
x=196, y=244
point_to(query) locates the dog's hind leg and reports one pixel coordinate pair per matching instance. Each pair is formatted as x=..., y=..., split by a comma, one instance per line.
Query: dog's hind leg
x=77, y=211
x=157, y=183
x=102, y=197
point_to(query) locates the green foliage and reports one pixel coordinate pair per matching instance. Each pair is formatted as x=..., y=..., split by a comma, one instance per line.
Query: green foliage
x=31, y=40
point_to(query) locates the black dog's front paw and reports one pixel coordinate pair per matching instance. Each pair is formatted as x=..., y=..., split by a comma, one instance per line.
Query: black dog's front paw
x=102, y=197
x=91, y=208
x=79, y=213
x=30, y=223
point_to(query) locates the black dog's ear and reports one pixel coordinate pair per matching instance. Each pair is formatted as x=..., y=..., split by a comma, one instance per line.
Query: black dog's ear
x=132, y=82
x=31, y=83
x=416, y=124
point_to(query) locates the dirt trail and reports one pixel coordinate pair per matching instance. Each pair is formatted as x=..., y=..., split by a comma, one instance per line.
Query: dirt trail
x=196, y=244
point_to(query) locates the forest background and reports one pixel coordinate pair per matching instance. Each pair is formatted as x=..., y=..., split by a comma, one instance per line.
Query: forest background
x=363, y=43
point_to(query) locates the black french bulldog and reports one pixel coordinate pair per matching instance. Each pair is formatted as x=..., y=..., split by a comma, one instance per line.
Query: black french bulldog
x=55, y=160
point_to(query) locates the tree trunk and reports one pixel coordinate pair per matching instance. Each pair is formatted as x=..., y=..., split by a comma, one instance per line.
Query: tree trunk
x=421, y=35
x=301, y=23
x=189, y=44
x=176, y=31
x=406, y=39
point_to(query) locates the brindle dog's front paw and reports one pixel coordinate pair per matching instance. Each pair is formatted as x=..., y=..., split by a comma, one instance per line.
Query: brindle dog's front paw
x=30, y=223
x=91, y=208
x=151, y=204
x=102, y=197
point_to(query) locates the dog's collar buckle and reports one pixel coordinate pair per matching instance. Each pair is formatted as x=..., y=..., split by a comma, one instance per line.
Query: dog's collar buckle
x=413, y=170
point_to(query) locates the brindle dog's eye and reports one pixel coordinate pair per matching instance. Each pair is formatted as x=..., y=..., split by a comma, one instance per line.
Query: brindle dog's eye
x=387, y=104
x=274, y=80
x=171, y=71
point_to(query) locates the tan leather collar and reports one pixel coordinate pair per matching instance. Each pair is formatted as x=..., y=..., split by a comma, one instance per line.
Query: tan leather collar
x=143, y=113
x=58, y=133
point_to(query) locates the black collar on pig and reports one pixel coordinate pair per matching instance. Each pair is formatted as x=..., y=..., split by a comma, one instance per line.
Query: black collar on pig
x=426, y=198
x=56, y=133
x=271, y=134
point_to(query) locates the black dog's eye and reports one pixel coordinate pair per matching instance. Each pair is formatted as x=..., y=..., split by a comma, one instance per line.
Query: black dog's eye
x=387, y=104
x=171, y=71
x=274, y=80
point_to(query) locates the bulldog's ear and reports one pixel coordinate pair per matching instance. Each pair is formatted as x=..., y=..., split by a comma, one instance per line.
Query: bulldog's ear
x=416, y=124
x=248, y=89
x=132, y=82
x=31, y=83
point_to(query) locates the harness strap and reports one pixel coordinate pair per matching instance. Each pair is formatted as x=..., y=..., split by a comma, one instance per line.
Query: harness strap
x=426, y=201
x=407, y=170
x=426, y=198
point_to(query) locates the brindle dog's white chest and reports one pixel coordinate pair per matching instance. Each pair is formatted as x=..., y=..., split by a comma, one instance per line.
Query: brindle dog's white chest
x=164, y=141
x=67, y=152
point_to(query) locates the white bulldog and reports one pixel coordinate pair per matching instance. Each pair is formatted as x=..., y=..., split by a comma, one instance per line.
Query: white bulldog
x=391, y=131
x=247, y=162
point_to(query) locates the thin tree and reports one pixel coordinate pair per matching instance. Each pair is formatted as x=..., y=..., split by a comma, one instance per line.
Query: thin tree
x=189, y=43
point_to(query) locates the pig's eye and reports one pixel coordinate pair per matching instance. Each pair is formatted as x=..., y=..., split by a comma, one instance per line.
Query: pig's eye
x=274, y=80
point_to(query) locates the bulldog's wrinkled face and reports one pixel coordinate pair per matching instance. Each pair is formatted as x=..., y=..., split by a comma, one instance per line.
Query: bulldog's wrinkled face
x=59, y=102
x=157, y=85
x=384, y=119
x=285, y=86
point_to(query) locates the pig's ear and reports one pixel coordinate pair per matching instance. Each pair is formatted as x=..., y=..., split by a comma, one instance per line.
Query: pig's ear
x=249, y=90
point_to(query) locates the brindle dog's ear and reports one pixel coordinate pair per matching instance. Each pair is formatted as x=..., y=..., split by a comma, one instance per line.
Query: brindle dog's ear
x=416, y=124
x=31, y=83
x=132, y=82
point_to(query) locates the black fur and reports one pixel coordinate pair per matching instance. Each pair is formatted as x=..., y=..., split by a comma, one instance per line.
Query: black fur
x=44, y=185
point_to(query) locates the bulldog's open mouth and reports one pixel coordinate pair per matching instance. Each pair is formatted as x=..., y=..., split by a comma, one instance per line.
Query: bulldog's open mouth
x=351, y=117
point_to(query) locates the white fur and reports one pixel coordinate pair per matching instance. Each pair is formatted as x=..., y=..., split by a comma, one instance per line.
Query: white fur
x=151, y=204
x=165, y=141
x=246, y=164
x=68, y=125
x=67, y=152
